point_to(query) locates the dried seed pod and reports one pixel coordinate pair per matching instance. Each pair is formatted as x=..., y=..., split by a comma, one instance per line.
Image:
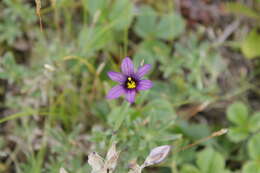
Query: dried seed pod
x=134, y=167
x=95, y=161
x=111, y=158
x=157, y=155
x=62, y=170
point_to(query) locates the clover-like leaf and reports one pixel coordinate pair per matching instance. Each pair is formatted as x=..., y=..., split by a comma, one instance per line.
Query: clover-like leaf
x=253, y=147
x=189, y=169
x=237, y=134
x=150, y=25
x=251, y=167
x=125, y=9
x=238, y=113
x=254, y=122
x=170, y=26
x=152, y=51
x=146, y=22
x=210, y=161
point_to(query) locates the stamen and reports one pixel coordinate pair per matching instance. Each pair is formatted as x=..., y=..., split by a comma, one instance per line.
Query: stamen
x=130, y=84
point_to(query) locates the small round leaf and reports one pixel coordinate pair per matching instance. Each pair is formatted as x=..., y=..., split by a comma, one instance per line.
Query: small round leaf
x=237, y=113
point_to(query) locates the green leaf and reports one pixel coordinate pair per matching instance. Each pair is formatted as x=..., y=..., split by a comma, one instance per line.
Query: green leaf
x=253, y=147
x=13, y=71
x=237, y=134
x=8, y=60
x=194, y=131
x=254, y=122
x=250, y=46
x=151, y=51
x=93, y=39
x=3, y=75
x=189, y=169
x=117, y=116
x=251, y=167
x=146, y=22
x=25, y=112
x=150, y=25
x=100, y=109
x=170, y=27
x=122, y=13
x=238, y=113
x=9, y=33
x=210, y=161
x=241, y=9
x=94, y=6
x=160, y=110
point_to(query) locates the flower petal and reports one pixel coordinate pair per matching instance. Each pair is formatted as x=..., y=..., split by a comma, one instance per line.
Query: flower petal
x=115, y=76
x=143, y=70
x=127, y=66
x=115, y=92
x=144, y=85
x=130, y=96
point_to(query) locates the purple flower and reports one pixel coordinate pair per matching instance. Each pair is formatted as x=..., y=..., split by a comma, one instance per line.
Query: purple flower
x=130, y=82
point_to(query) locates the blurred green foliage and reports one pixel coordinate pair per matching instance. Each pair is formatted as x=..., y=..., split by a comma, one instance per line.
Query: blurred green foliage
x=252, y=39
x=249, y=45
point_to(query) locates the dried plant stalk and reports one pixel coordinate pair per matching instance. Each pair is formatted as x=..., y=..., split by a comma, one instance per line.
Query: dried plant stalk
x=38, y=12
x=53, y=3
x=214, y=134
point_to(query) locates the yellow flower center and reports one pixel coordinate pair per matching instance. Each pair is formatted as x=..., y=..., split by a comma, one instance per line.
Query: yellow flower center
x=131, y=84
